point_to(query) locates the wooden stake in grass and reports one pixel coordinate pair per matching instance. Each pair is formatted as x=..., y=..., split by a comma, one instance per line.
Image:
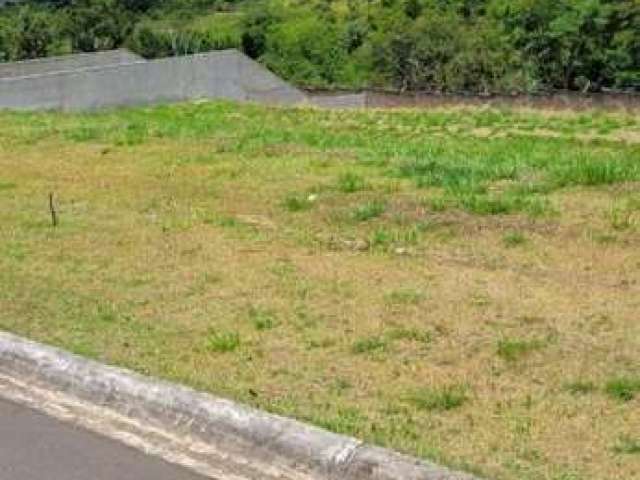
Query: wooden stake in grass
x=52, y=209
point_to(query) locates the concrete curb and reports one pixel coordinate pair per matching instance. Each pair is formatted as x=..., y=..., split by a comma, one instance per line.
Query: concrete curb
x=311, y=452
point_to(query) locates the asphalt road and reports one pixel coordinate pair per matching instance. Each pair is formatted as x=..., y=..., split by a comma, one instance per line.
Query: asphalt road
x=36, y=447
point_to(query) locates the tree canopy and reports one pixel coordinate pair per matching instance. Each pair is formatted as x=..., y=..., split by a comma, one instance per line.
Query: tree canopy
x=480, y=46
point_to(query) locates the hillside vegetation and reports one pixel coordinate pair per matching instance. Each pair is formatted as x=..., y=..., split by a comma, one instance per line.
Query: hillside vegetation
x=479, y=46
x=461, y=285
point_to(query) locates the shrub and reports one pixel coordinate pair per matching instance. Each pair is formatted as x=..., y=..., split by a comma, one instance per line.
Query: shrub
x=153, y=43
x=31, y=35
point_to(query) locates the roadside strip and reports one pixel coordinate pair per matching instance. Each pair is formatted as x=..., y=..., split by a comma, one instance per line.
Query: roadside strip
x=213, y=436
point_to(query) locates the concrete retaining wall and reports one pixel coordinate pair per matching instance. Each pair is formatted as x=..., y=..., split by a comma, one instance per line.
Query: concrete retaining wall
x=65, y=63
x=339, y=100
x=224, y=74
x=553, y=101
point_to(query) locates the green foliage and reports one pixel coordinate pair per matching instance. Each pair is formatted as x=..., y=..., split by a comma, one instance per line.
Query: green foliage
x=30, y=34
x=300, y=51
x=154, y=43
x=93, y=25
x=440, y=51
x=257, y=21
x=580, y=44
x=480, y=46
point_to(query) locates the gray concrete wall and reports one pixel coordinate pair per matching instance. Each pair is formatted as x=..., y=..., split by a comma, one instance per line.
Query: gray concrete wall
x=224, y=74
x=41, y=66
x=339, y=100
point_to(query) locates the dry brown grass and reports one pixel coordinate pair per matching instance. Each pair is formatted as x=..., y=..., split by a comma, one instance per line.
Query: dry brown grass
x=166, y=243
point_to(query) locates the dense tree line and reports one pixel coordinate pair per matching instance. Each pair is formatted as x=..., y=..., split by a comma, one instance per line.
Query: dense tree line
x=476, y=46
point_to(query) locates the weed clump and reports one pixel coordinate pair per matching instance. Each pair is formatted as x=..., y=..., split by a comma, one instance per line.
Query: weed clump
x=514, y=349
x=369, y=345
x=628, y=446
x=350, y=183
x=405, y=296
x=624, y=388
x=580, y=387
x=514, y=239
x=369, y=211
x=222, y=342
x=297, y=203
x=440, y=399
x=262, y=319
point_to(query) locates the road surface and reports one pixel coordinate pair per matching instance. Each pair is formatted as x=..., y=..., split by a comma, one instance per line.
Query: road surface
x=36, y=447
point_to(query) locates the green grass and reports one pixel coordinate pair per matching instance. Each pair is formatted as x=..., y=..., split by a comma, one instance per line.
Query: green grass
x=405, y=296
x=511, y=349
x=372, y=272
x=369, y=211
x=624, y=216
x=370, y=345
x=624, y=389
x=228, y=222
x=442, y=399
x=262, y=319
x=223, y=29
x=387, y=340
x=297, y=203
x=222, y=342
x=589, y=172
x=627, y=446
x=581, y=387
x=350, y=183
x=411, y=334
x=514, y=239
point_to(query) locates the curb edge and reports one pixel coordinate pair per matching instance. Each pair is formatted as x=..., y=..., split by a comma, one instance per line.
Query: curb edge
x=312, y=451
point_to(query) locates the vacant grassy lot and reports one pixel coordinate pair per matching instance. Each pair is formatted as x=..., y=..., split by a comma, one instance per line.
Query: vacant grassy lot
x=462, y=285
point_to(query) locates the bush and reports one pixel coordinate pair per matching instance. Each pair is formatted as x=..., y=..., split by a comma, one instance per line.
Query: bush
x=31, y=35
x=479, y=46
x=442, y=52
x=298, y=50
x=257, y=21
x=94, y=25
x=153, y=43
